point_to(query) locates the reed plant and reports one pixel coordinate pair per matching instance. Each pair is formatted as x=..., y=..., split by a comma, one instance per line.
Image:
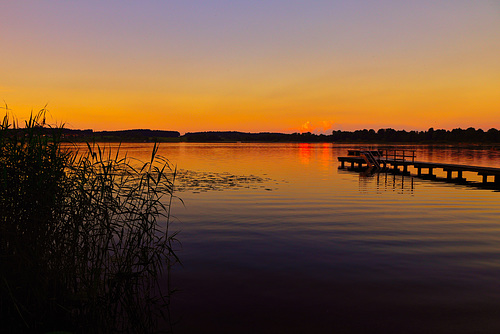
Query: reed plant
x=84, y=235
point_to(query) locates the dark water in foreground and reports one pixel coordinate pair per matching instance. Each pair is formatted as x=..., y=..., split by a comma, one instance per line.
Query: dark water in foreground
x=276, y=239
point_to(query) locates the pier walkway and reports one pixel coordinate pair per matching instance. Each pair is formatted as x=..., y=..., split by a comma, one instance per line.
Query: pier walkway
x=392, y=161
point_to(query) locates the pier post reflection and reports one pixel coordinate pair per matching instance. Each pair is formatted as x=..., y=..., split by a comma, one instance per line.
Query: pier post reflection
x=385, y=182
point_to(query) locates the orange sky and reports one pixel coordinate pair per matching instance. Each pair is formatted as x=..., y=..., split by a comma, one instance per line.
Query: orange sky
x=281, y=66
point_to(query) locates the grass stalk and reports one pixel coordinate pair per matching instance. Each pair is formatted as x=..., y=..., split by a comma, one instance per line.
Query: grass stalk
x=84, y=235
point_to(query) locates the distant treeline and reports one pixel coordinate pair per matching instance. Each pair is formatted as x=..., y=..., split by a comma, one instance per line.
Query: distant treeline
x=470, y=135
x=458, y=135
x=234, y=136
x=136, y=135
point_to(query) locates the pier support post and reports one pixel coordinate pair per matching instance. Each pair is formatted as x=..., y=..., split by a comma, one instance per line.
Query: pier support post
x=342, y=164
x=460, y=177
x=430, y=172
x=448, y=174
x=497, y=179
x=405, y=169
x=352, y=164
x=485, y=178
x=419, y=171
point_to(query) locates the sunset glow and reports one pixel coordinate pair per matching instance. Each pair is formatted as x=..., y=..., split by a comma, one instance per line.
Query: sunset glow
x=276, y=66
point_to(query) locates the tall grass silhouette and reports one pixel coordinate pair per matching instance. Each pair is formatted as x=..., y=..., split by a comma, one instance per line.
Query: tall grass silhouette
x=84, y=235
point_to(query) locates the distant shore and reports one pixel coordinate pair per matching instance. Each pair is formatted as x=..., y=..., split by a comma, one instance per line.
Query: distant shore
x=382, y=136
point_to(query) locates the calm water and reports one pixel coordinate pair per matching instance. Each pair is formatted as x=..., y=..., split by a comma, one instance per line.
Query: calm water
x=276, y=239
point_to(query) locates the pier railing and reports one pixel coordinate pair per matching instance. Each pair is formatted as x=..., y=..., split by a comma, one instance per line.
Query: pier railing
x=386, y=154
x=400, y=155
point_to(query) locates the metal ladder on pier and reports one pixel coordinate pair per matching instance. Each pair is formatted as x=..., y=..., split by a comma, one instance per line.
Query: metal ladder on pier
x=371, y=160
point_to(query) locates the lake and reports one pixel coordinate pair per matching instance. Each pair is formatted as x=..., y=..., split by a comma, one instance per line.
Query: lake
x=276, y=239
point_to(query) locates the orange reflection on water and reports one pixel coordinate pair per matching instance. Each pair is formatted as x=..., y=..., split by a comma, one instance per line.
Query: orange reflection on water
x=305, y=151
x=325, y=155
x=320, y=153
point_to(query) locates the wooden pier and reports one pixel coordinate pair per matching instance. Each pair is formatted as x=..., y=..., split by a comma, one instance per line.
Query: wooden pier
x=392, y=161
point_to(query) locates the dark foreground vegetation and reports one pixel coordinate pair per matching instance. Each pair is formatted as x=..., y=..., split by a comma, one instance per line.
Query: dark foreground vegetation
x=83, y=236
x=389, y=135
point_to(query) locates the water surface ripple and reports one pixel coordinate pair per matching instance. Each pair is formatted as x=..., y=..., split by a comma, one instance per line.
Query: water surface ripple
x=300, y=246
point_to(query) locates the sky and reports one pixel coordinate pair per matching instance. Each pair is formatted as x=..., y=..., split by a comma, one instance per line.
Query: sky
x=253, y=66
